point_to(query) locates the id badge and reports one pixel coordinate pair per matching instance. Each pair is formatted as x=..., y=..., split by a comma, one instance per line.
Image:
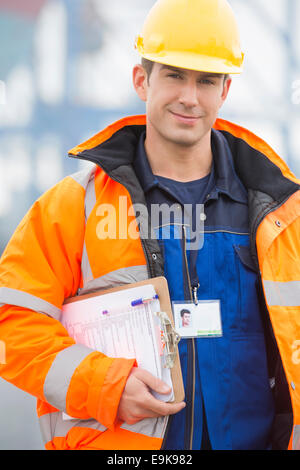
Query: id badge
x=198, y=321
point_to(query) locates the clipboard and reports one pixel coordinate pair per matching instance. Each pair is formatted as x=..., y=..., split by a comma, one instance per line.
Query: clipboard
x=161, y=288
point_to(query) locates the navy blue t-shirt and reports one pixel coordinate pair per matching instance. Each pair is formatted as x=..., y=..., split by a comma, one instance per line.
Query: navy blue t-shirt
x=191, y=192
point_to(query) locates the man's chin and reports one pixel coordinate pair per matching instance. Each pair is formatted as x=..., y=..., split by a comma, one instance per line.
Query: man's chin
x=184, y=140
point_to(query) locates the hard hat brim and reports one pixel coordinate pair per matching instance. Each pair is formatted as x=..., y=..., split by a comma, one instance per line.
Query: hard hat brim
x=200, y=63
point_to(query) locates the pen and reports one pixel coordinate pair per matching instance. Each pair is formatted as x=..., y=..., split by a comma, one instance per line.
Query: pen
x=142, y=301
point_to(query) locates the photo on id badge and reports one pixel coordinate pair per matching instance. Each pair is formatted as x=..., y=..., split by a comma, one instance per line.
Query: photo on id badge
x=198, y=321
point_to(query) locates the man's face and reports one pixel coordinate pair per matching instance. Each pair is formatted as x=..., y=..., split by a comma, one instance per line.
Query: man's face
x=182, y=105
x=186, y=317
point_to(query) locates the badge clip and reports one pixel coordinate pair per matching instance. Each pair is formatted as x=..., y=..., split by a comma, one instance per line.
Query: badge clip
x=170, y=337
x=195, y=289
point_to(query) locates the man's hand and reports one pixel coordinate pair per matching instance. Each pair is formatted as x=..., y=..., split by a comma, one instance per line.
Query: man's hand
x=138, y=403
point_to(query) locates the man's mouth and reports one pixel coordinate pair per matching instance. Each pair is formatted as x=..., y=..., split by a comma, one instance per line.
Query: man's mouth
x=184, y=118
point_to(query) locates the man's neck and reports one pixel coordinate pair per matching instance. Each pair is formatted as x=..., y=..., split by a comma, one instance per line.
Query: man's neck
x=178, y=162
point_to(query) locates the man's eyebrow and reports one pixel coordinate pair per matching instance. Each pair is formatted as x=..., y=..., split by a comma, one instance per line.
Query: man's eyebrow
x=170, y=67
x=213, y=75
x=203, y=74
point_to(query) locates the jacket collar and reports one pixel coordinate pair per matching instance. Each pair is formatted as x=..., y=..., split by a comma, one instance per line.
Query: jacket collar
x=255, y=163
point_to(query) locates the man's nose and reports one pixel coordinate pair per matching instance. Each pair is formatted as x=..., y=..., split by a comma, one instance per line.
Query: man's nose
x=189, y=94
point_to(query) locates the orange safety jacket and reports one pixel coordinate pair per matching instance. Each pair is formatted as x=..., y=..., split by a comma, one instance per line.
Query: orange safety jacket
x=61, y=248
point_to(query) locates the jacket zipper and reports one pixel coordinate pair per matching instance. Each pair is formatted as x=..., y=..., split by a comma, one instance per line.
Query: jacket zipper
x=192, y=342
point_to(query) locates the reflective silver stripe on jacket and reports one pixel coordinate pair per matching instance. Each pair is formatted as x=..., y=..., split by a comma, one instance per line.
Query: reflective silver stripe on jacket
x=83, y=177
x=60, y=373
x=153, y=427
x=296, y=437
x=90, y=196
x=285, y=294
x=86, y=270
x=53, y=425
x=25, y=300
x=89, y=203
x=114, y=278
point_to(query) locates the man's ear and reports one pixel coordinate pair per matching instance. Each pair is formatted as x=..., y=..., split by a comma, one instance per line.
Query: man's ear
x=139, y=78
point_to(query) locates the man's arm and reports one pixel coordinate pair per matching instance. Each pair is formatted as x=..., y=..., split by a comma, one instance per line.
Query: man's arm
x=40, y=267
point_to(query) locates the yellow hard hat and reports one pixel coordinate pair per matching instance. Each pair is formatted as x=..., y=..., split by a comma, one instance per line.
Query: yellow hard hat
x=192, y=34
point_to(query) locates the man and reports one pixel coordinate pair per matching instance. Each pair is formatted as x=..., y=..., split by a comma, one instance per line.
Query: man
x=249, y=261
x=185, y=318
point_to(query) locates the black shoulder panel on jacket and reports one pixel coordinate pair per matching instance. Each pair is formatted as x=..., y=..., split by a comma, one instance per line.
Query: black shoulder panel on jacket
x=257, y=171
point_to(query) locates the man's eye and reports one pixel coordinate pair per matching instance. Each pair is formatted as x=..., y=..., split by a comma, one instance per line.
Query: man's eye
x=174, y=75
x=206, y=81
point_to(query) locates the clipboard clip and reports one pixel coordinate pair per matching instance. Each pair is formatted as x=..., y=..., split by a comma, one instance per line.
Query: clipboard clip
x=170, y=337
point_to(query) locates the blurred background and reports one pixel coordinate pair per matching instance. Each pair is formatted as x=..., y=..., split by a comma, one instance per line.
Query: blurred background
x=65, y=73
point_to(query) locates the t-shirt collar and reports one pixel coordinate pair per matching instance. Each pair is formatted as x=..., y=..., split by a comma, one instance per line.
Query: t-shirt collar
x=227, y=181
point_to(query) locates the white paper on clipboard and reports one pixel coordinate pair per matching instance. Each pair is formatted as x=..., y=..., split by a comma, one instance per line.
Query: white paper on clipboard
x=108, y=323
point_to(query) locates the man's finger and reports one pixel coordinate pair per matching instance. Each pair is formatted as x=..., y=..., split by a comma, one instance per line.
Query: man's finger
x=162, y=408
x=152, y=382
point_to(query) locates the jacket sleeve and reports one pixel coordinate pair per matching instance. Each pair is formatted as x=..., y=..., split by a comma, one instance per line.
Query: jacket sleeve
x=39, y=269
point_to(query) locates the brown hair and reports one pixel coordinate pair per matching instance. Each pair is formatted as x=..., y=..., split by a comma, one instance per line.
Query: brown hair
x=148, y=66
